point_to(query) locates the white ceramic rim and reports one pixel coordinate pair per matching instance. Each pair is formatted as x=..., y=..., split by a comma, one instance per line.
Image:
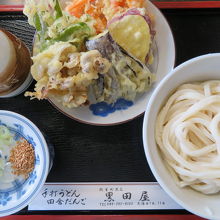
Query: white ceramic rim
x=172, y=63
x=145, y=129
x=44, y=175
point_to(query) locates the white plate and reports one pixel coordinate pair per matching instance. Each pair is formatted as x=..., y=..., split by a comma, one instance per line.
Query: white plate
x=15, y=195
x=165, y=59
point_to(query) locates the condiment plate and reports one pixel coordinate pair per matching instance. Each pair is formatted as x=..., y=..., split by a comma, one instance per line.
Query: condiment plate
x=17, y=194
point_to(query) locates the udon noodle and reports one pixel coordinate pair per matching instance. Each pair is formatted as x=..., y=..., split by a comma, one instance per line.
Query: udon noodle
x=188, y=135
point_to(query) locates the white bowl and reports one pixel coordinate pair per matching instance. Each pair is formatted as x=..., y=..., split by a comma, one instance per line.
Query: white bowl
x=164, y=63
x=201, y=68
x=18, y=194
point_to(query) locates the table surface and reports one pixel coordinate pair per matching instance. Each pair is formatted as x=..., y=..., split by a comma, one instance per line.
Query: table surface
x=85, y=153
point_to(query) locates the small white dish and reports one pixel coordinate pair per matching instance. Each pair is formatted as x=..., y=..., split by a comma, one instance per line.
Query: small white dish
x=201, y=68
x=125, y=111
x=15, y=195
x=20, y=78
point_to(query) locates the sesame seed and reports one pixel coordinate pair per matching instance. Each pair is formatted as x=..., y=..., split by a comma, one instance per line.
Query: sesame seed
x=22, y=158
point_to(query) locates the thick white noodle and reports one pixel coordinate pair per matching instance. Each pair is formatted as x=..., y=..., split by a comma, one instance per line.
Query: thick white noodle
x=188, y=134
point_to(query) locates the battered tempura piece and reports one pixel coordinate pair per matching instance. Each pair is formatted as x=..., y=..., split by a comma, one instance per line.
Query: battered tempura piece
x=63, y=72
